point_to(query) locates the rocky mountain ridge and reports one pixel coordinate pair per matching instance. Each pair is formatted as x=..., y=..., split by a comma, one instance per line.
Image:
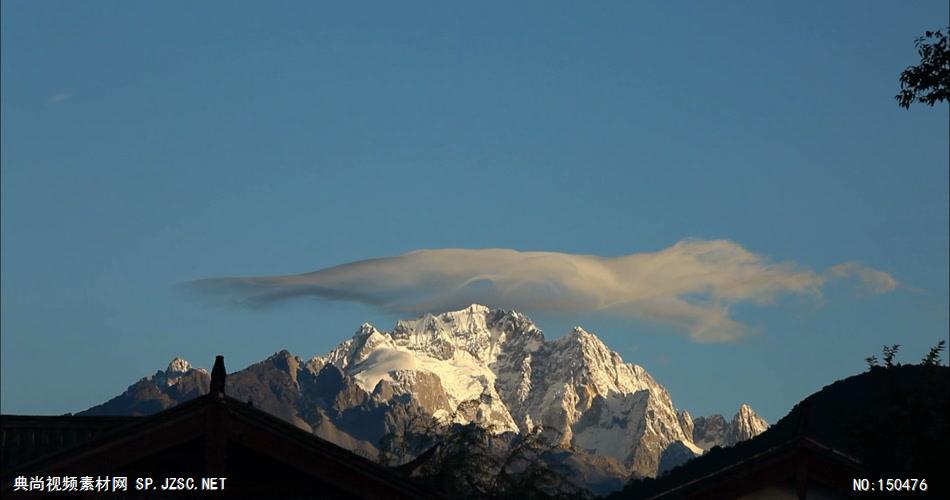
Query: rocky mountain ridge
x=491, y=368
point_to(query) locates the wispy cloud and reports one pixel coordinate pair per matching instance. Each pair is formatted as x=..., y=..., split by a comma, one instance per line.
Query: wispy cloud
x=690, y=285
x=874, y=281
x=57, y=98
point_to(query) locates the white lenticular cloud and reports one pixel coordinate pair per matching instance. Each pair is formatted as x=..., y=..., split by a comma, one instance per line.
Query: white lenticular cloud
x=690, y=285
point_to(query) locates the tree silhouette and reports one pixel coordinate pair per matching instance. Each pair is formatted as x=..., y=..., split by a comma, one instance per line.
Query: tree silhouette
x=929, y=81
x=408, y=438
x=888, y=354
x=526, y=472
x=933, y=357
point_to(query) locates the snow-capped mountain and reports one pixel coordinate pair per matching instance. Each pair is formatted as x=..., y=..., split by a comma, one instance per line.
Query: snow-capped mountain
x=747, y=424
x=715, y=431
x=492, y=368
x=159, y=391
x=574, y=386
x=459, y=348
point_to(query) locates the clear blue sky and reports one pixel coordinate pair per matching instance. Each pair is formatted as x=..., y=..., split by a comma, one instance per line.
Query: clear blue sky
x=147, y=144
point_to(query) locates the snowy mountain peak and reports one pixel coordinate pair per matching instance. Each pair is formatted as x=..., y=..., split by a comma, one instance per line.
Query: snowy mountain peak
x=495, y=367
x=582, y=336
x=178, y=369
x=747, y=423
x=177, y=366
x=714, y=430
x=364, y=330
x=472, y=309
x=476, y=330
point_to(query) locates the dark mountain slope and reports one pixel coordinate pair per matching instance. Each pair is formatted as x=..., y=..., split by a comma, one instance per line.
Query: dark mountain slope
x=894, y=421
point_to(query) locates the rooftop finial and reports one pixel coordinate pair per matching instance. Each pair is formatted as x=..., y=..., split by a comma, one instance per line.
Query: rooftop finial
x=218, y=376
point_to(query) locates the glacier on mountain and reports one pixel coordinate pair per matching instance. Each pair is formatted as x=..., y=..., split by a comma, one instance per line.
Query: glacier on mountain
x=383, y=394
x=574, y=386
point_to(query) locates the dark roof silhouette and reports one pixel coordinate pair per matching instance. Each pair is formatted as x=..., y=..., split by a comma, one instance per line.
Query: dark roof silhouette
x=801, y=465
x=28, y=437
x=211, y=436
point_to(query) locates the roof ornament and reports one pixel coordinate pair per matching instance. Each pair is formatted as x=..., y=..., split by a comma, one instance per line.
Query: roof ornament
x=218, y=376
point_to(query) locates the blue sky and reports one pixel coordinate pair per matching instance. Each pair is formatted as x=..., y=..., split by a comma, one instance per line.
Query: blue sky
x=145, y=145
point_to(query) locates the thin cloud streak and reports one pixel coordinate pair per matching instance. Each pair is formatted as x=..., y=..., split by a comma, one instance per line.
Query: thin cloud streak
x=874, y=281
x=691, y=285
x=57, y=98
